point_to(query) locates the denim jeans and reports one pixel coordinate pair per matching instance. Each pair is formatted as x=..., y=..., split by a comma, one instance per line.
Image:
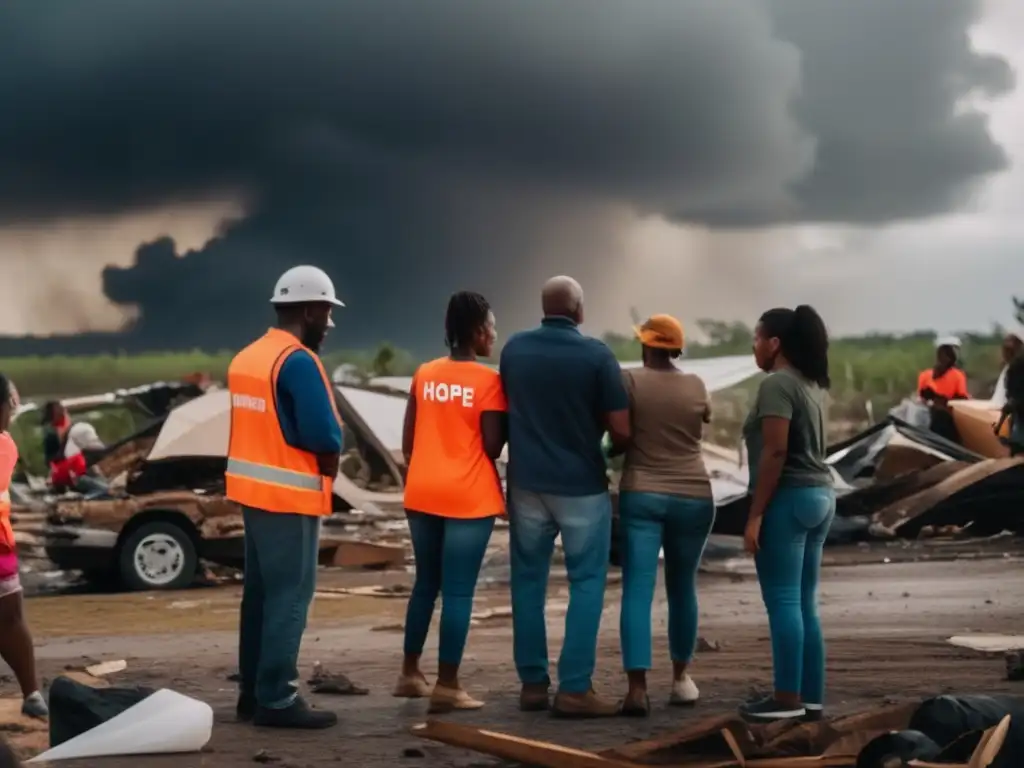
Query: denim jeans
x=788, y=565
x=585, y=523
x=448, y=554
x=649, y=522
x=281, y=552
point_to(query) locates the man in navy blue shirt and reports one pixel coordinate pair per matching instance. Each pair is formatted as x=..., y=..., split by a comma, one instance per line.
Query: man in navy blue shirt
x=564, y=392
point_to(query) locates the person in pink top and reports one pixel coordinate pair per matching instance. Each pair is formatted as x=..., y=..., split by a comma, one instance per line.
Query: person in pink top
x=15, y=639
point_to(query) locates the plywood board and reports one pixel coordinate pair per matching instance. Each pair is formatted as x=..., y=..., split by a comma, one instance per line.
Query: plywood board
x=507, y=747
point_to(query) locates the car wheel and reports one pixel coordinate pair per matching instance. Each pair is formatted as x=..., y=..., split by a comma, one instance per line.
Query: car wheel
x=158, y=555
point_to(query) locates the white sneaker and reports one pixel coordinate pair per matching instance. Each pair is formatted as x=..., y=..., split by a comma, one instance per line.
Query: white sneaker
x=684, y=692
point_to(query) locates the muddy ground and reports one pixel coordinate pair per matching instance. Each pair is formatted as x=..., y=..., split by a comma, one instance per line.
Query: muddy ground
x=886, y=623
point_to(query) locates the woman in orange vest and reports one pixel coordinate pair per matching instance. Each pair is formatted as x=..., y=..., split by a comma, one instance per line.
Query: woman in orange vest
x=454, y=432
x=15, y=639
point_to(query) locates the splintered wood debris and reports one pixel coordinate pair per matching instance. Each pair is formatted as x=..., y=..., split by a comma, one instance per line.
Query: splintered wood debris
x=722, y=741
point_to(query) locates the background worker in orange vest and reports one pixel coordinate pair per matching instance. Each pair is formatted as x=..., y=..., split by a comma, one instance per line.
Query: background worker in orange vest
x=283, y=456
x=940, y=384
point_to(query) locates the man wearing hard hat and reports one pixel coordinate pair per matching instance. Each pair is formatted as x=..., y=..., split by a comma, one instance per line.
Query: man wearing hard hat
x=283, y=454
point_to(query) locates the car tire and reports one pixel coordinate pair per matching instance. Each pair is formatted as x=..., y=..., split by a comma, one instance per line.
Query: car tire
x=158, y=555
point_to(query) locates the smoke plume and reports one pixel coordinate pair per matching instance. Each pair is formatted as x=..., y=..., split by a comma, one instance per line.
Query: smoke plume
x=413, y=148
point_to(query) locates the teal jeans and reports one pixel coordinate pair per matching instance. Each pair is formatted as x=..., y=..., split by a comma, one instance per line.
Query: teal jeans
x=448, y=553
x=585, y=524
x=650, y=522
x=281, y=552
x=788, y=566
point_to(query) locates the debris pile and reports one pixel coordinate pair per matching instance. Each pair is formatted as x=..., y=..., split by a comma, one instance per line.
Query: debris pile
x=972, y=731
x=894, y=481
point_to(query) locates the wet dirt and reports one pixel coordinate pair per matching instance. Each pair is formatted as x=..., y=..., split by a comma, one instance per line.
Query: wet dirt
x=886, y=625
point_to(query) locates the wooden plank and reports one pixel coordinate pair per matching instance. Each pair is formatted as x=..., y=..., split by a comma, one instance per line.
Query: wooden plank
x=344, y=553
x=991, y=742
x=508, y=747
x=705, y=728
x=984, y=754
x=817, y=761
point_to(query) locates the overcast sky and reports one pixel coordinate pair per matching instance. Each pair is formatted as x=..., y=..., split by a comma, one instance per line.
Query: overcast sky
x=700, y=157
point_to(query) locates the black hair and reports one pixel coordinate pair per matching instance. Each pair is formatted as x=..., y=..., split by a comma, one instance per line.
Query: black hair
x=666, y=354
x=467, y=314
x=1015, y=380
x=50, y=410
x=950, y=350
x=5, y=389
x=803, y=339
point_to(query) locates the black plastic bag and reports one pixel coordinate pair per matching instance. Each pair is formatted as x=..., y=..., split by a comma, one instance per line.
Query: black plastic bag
x=905, y=745
x=946, y=719
x=76, y=708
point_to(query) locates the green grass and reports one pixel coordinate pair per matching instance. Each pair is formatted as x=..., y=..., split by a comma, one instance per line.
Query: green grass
x=59, y=376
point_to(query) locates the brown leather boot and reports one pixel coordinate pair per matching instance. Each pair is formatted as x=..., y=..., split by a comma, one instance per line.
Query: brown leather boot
x=583, y=706
x=534, y=697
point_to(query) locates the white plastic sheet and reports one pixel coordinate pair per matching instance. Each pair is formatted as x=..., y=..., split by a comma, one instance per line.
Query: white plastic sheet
x=988, y=643
x=198, y=428
x=164, y=723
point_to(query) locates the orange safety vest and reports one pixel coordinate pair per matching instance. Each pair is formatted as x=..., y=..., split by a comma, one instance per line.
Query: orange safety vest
x=263, y=471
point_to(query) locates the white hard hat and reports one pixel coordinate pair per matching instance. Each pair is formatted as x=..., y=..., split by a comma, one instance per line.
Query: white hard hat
x=948, y=341
x=303, y=284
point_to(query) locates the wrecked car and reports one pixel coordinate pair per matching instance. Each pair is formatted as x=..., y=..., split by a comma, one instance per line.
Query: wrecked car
x=168, y=511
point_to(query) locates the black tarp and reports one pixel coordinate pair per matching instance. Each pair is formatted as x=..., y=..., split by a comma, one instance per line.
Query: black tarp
x=905, y=746
x=948, y=720
x=76, y=708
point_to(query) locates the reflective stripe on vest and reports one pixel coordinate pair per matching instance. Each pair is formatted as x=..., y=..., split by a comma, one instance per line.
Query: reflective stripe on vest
x=275, y=475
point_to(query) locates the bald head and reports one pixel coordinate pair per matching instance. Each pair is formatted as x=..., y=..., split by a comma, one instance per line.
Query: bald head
x=562, y=297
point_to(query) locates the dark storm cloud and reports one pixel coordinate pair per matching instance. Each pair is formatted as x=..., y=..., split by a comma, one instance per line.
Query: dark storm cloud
x=424, y=145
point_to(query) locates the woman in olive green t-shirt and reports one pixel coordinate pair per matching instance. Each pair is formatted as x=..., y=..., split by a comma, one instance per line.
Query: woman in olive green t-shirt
x=792, y=505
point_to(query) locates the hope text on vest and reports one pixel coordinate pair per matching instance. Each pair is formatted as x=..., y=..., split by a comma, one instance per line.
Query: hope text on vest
x=442, y=392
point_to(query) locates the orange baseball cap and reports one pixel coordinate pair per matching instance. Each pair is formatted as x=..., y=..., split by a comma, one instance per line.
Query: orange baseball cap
x=661, y=332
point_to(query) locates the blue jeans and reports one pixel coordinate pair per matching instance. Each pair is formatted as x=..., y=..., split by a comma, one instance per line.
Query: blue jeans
x=648, y=523
x=585, y=522
x=448, y=555
x=788, y=565
x=281, y=553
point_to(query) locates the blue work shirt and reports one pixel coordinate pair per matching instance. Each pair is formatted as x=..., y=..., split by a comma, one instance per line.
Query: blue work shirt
x=560, y=385
x=304, y=409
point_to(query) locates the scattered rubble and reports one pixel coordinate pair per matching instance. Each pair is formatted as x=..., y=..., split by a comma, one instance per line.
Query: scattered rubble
x=725, y=741
x=707, y=646
x=894, y=481
x=105, y=668
x=324, y=681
